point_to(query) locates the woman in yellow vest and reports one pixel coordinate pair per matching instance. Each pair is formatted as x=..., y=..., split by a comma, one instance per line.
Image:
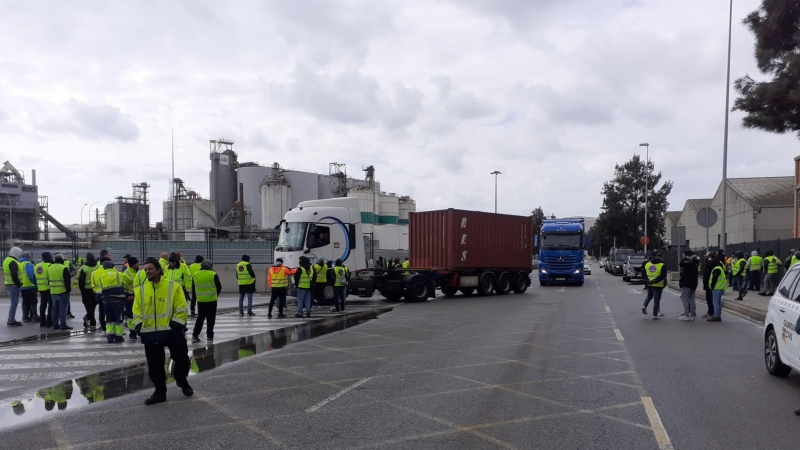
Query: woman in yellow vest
x=207, y=287
x=718, y=284
x=247, y=284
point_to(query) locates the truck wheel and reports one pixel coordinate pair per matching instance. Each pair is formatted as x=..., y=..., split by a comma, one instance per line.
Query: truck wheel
x=486, y=283
x=520, y=284
x=391, y=295
x=417, y=290
x=503, y=286
x=467, y=290
x=449, y=291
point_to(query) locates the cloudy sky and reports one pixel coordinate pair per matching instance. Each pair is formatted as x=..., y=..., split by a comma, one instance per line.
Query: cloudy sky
x=435, y=94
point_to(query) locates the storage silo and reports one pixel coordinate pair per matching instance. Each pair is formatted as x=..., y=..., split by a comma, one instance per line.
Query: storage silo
x=366, y=203
x=388, y=209
x=222, y=178
x=407, y=205
x=276, y=199
x=304, y=185
x=251, y=176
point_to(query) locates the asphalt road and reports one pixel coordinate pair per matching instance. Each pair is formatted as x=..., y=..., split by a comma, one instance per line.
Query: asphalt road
x=574, y=367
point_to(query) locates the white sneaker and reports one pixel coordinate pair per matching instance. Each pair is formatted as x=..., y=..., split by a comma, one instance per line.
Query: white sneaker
x=660, y=314
x=691, y=318
x=684, y=318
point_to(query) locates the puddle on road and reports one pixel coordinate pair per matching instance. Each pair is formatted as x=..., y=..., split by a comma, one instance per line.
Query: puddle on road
x=98, y=387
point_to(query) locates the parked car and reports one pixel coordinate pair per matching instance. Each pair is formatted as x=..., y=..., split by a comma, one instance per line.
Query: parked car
x=632, y=269
x=617, y=259
x=587, y=268
x=782, y=353
x=603, y=262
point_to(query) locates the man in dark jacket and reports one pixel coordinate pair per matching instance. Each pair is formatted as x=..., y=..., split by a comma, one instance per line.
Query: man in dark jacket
x=690, y=270
x=710, y=264
x=88, y=296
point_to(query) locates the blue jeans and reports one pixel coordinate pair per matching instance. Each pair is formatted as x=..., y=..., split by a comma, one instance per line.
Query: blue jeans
x=249, y=302
x=339, y=297
x=303, y=300
x=13, y=291
x=655, y=294
x=717, y=302
x=60, y=307
x=739, y=284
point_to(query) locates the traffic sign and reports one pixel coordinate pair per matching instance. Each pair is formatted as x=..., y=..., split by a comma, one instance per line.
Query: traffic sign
x=644, y=240
x=706, y=217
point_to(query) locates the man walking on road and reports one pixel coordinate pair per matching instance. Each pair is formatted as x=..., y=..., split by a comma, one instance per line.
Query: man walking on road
x=690, y=270
x=718, y=284
x=13, y=283
x=738, y=271
x=159, y=315
x=771, y=266
x=278, y=279
x=656, y=280
x=207, y=287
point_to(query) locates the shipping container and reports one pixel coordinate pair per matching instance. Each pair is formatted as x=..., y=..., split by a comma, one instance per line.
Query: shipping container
x=452, y=240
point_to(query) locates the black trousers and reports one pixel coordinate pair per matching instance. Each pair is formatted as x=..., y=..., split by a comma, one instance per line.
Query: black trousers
x=710, y=301
x=755, y=280
x=206, y=311
x=178, y=351
x=46, y=308
x=28, y=303
x=280, y=295
x=193, y=299
x=338, y=297
x=90, y=303
x=319, y=294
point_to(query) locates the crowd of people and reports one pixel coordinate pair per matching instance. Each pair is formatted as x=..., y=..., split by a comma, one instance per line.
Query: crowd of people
x=719, y=271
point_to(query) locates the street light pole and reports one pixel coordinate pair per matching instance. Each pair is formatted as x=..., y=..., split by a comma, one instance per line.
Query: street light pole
x=646, y=191
x=495, y=173
x=84, y=206
x=723, y=232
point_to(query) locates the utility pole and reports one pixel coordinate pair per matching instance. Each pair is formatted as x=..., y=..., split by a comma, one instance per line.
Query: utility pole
x=172, y=188
x=646, y=191
x=723, y=233
x=495, y=173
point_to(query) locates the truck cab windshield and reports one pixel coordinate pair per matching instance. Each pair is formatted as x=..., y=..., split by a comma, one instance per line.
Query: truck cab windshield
x=293, y=236
x=562, y=241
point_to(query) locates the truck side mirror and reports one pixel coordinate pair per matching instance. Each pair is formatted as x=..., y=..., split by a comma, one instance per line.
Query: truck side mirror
x=536, y=241
x=585, y=241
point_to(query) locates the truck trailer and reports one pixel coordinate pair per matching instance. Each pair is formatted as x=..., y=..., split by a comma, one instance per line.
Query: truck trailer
x=452, y=250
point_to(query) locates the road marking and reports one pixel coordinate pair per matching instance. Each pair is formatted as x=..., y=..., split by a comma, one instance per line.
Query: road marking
x=608, y=310
x=635, y=291
x=619, y=334
x=563, y=289
x=655, y=422
x=337, y=395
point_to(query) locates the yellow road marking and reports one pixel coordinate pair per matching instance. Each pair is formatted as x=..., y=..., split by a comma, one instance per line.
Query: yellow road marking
x=619, y=334
x=655, y=422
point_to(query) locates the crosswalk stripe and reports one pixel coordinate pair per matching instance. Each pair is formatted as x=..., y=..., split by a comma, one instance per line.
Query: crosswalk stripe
x=49, y=365
x=70, y=354
x=42, y=375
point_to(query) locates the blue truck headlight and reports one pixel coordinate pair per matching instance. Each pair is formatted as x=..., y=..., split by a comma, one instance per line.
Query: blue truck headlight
x=577, y=271
x=544, y=270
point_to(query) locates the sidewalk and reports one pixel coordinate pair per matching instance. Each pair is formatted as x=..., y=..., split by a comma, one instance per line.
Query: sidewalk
x=753, y=306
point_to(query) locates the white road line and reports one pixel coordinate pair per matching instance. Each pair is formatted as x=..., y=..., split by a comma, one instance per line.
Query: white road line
x=608, y=310
x=337, y=395
x=41, y=376
x=619, y=334
x=52, y=365
x=563, y=289
x=655, y=422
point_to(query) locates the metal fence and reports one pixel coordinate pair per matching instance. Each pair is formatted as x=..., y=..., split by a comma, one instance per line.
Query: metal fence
x=780, y=247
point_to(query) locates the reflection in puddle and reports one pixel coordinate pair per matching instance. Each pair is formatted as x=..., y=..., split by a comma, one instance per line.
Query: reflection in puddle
x=114, y=383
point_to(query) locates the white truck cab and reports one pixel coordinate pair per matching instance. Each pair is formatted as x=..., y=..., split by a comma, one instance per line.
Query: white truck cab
x=329, y=229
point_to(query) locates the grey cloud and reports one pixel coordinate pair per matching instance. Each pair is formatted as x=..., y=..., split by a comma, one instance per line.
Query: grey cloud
x=468, y=106
x=259, y=139
x=579, y=106
x=93, y=121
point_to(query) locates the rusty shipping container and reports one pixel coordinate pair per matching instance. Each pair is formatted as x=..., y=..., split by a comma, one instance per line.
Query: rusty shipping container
x=454, y=239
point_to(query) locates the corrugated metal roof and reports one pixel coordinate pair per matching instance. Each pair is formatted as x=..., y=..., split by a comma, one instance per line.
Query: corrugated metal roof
x=767, y=191
x=697, y=204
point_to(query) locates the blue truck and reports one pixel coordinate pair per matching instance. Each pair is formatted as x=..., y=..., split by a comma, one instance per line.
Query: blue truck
x=561, y=245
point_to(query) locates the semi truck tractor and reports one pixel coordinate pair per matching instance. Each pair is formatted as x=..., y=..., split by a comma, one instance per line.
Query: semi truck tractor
x=452, y=250
x=561, y=251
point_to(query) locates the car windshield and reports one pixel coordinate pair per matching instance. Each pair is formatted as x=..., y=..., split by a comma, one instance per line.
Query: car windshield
x=293, y=236
x=561, y=241
x=637, y=261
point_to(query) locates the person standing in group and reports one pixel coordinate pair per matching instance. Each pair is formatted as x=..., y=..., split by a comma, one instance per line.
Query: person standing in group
x=187, y=283
x=709, y=294
x=718, y=284
x=656, y=281
x=753, y=266
x=193, y=269
x=28, y=288
x=278, y=279
x=379, y=262
x=60, y=288
x=72, y=273
x=302, y=280
x=113, y=301
x=13, y=283
x=164, y=261
x=771, y=265
x=98, y=290
x=43, y=286
x=129, y=284
x=406, y=264
x=340, y=279
x=174, y=272
x=787, y=263
x=247, y=284
x=738, y=271
x=319, y=279
x=208, y=287
x=160, y=315
x=87, y=292
x=690, y=270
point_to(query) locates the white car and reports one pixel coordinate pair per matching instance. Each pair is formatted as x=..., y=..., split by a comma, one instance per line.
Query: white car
x=587, y=268
x=632, y=269
x=781, y=338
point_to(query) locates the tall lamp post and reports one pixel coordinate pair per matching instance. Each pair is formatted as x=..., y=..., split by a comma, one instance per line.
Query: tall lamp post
x=723, y=232
x=84, y=206
x=646, y=190
x=495, y=173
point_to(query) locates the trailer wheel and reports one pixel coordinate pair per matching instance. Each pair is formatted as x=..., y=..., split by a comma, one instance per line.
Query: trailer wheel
x=520, y=283
x=448, y=290
x=467, y=290
x=503, y=286
x=417, y=290
x=486, y=283
x=391, y=295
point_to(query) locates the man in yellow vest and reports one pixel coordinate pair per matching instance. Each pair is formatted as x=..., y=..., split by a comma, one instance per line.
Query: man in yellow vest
x=113, y=301
x=738, y=271
x=187, y=283
x=754, y=264
x=43, y=286
x=87, y=292
x=163, y=261
x=13, y=283
x=340, y=279
x=406, y=264
x=319, y=279
x=28, y=289
x=656, y=281
x=208, y=287
x=246, y=278
x=60, y=288
x=193, y=269
x=159, y=315
x=771, y=265
x=302, y=280
x=128, y=282
x=718, y=284
x=278, y=279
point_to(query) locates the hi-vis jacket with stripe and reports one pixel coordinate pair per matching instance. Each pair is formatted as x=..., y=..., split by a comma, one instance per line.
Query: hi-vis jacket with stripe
x=159, y=308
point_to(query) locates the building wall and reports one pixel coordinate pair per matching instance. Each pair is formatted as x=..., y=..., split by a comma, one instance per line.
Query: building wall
x=774, y=223
x=251, y=178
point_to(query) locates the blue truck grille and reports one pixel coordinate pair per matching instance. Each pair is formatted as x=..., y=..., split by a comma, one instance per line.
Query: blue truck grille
x=566, y=264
